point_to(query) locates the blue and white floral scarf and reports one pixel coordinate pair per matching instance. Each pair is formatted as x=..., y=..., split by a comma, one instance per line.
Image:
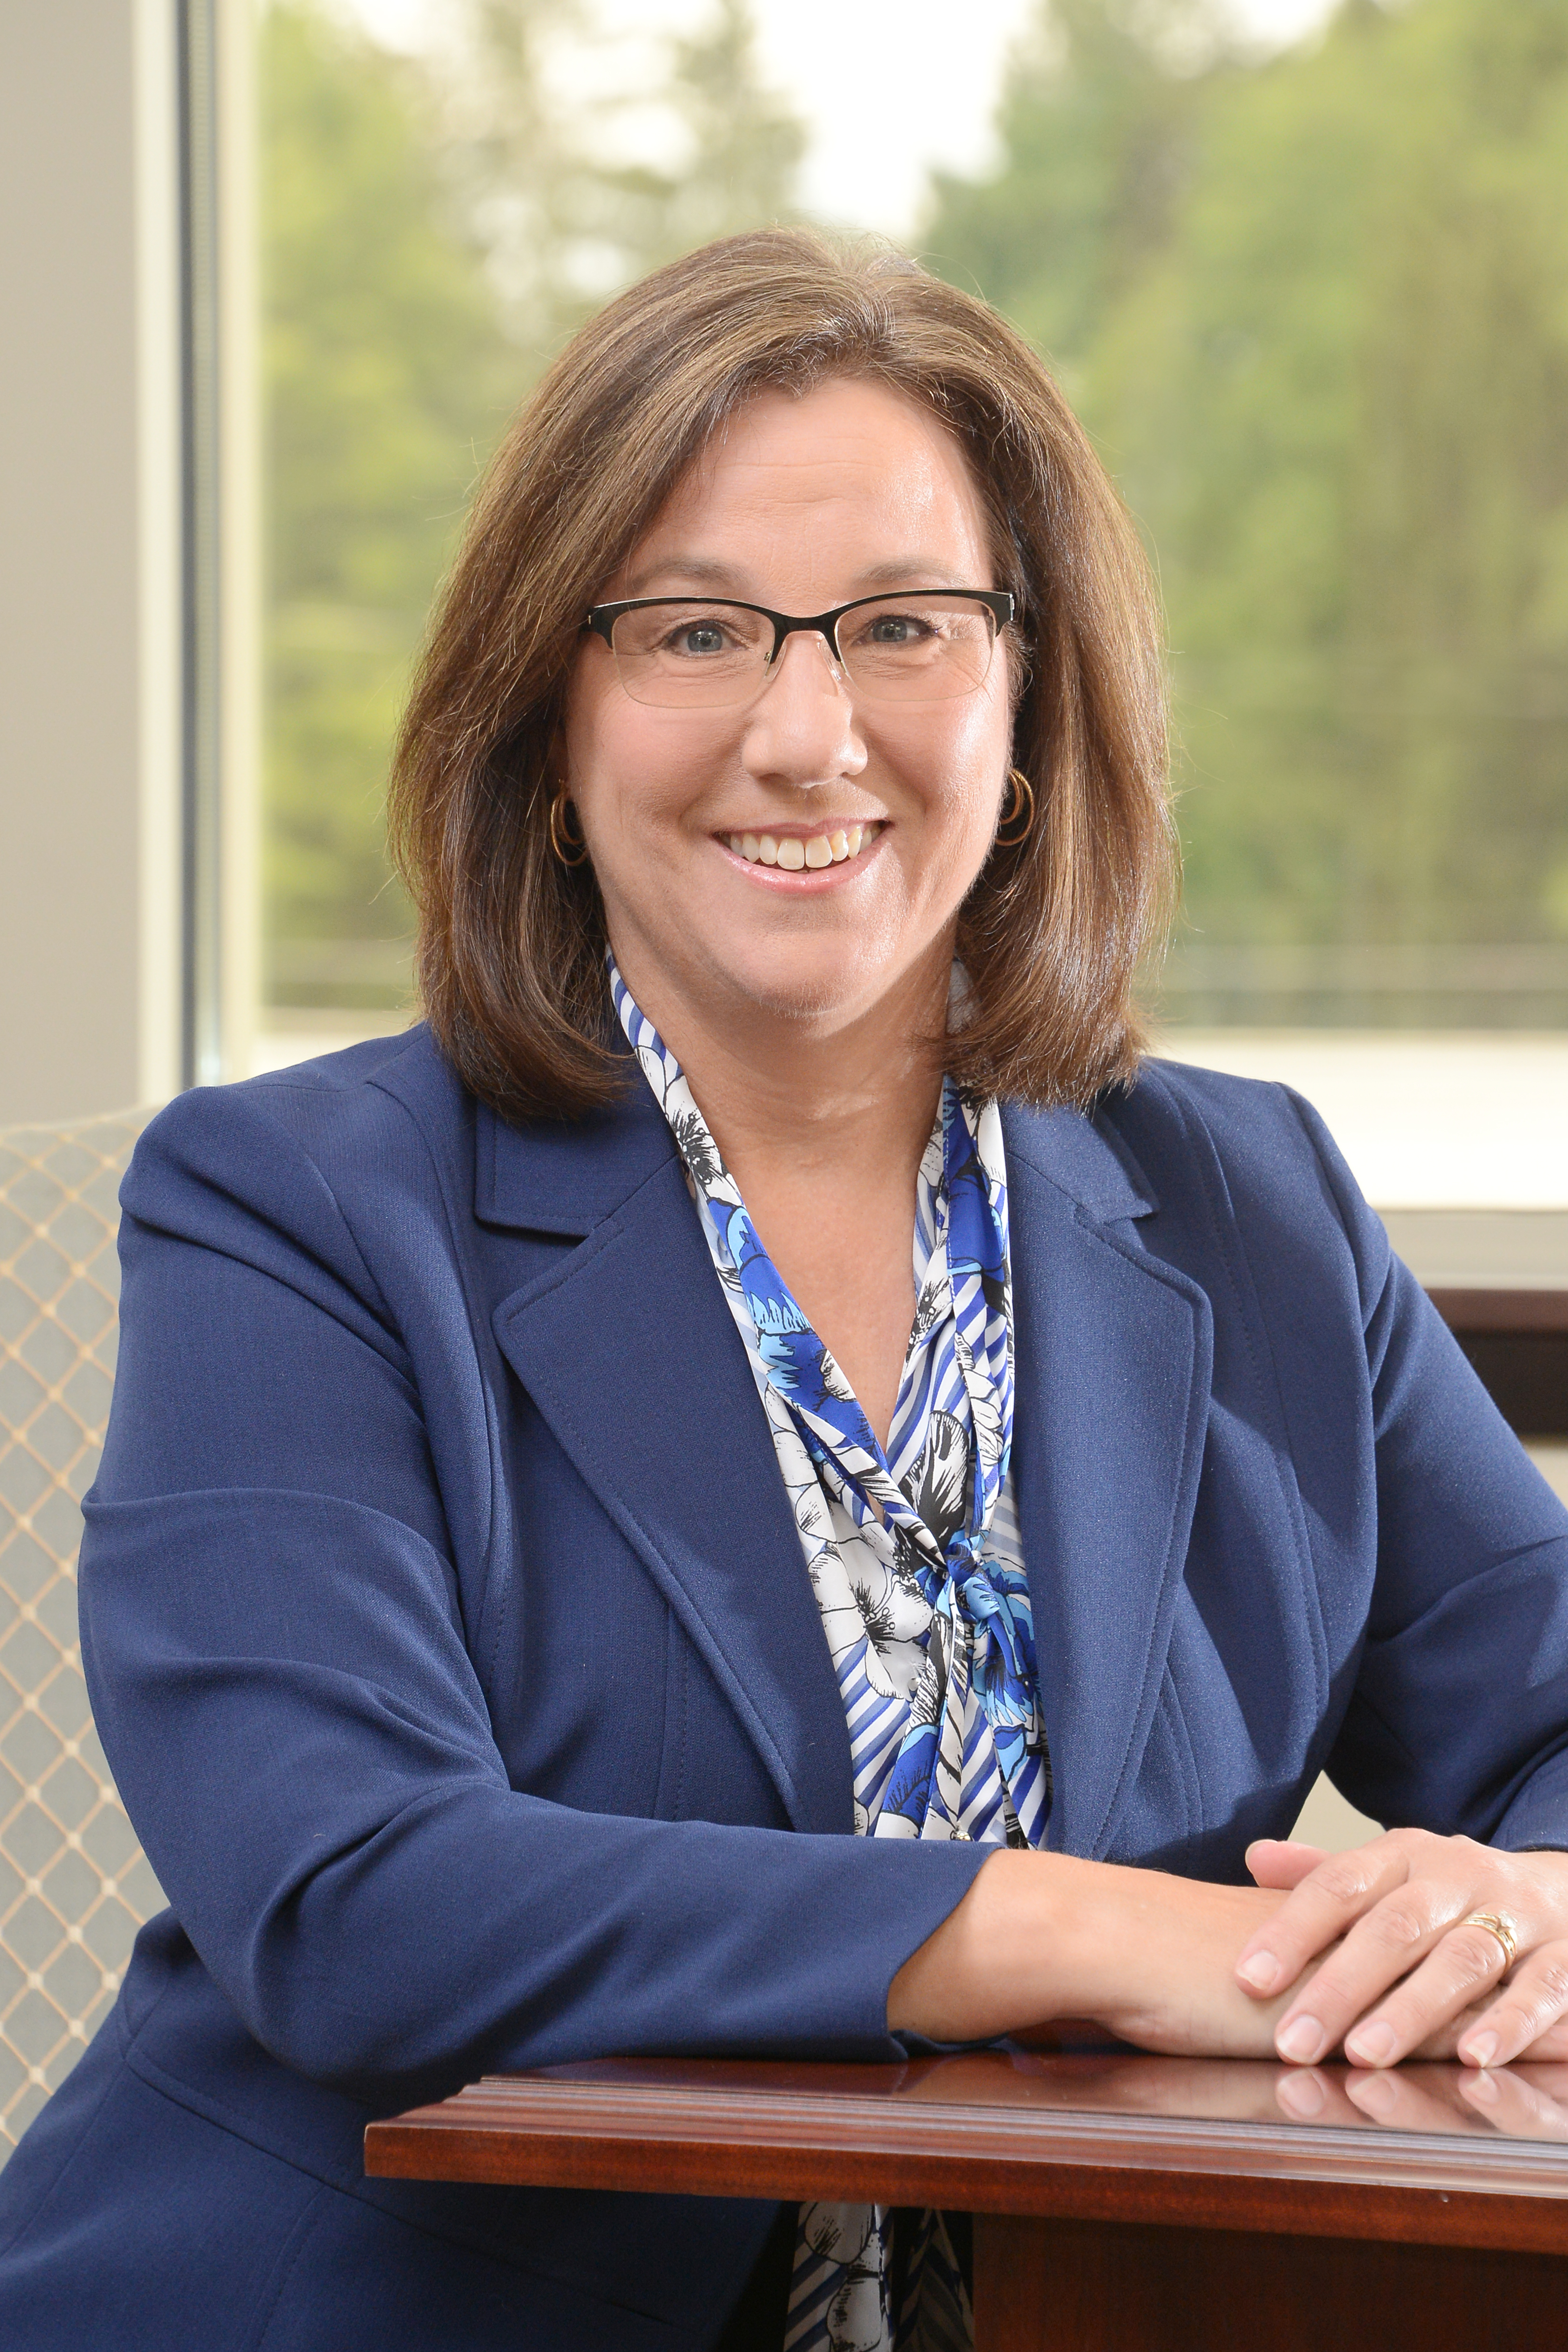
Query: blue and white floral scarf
x=914, y=1557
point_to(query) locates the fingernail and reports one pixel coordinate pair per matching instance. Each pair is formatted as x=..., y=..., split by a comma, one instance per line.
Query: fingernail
x=1480, y=2050
x=1371, y=2045
x=1376, y=2097
x=1302, y=2040
x=1302, y=2096
x=1261, y=1972
x=1482, y=2089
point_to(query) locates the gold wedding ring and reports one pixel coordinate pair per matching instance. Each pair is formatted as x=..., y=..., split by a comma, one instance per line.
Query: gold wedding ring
x=1495, y=1925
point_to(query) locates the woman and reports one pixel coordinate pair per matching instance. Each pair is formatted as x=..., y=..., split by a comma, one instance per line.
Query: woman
x=762, y=1485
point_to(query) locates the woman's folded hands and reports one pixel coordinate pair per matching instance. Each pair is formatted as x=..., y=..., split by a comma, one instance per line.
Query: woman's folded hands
x=1378, y=1953
x=1418, y=1945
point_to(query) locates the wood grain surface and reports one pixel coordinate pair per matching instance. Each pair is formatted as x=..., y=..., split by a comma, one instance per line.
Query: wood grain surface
x=1077, y=2136
x=1074, y=2286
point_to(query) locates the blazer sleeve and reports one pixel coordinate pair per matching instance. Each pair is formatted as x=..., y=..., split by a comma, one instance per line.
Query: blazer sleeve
x=275, y=1647
x=1458, y=1719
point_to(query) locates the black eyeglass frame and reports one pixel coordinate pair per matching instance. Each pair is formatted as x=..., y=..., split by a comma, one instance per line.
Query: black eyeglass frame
x=998, y=601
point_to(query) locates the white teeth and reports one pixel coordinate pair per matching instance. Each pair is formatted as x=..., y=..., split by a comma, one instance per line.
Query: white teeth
x=792, y=854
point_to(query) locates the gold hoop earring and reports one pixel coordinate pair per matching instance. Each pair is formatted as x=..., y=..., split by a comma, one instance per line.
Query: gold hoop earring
x=1022, y=800
x=561, y=841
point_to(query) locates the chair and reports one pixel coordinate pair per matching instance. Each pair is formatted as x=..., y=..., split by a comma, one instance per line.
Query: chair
x=74, y=1883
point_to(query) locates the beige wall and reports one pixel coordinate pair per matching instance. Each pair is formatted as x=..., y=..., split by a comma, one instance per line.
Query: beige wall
x=74, y=977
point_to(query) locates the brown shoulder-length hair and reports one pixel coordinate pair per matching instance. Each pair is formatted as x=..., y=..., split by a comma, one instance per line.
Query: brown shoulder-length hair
x=511, y=941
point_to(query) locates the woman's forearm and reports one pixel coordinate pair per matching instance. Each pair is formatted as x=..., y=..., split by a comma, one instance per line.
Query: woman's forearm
x=1041, y=1935
x=1016, y=1952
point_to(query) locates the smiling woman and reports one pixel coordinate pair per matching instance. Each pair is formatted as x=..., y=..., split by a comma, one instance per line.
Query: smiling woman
x=881, y=720
x=762, y=1484
x=853, y=429
x=832, y=730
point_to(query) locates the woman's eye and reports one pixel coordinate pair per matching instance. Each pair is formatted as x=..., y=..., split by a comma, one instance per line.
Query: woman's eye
x=894, y=629
x=703, y=637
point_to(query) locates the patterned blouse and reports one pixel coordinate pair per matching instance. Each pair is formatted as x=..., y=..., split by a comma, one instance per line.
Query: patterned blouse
x=913, y=1554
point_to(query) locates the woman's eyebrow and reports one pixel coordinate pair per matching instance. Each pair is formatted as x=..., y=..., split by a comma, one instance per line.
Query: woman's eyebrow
x=906, y=570
x=707, y=571
x=702, y=570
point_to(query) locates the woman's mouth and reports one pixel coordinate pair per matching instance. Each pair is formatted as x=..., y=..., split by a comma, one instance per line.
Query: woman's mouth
x=794, y=851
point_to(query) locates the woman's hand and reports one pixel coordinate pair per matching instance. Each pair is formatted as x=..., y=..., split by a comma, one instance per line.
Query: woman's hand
x=1410, y=1973
x=1149, y=1957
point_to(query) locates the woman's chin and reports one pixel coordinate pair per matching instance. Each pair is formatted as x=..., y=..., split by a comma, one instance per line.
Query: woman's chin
x=832, y=985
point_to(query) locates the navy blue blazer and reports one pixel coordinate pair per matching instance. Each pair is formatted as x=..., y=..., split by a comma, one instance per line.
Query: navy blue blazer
x=450, y=1641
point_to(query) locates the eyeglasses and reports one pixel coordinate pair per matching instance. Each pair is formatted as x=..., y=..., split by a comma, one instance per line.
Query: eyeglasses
x=708, y=653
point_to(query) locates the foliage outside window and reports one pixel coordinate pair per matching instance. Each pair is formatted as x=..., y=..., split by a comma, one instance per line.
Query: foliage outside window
x=1312, y=307
x=1313, y=311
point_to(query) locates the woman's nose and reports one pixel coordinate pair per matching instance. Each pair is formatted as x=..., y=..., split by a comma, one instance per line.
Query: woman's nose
x=802, y=726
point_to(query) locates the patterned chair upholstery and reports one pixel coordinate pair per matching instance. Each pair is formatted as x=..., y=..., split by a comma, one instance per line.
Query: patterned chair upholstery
x=74, y=1884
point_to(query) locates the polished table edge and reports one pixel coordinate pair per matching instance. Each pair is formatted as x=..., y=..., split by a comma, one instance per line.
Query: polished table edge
x=753, y=2140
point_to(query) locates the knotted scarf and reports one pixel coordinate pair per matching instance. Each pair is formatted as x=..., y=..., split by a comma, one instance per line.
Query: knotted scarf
x=913, y=1554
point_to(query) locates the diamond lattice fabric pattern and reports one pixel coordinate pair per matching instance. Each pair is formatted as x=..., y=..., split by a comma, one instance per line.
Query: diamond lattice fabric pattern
x=74, y=1884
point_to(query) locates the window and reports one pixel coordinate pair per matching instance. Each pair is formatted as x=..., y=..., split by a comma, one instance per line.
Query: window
x=1300, y=270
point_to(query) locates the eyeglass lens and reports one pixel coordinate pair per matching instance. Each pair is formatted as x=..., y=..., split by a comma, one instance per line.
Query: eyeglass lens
x=919, y=648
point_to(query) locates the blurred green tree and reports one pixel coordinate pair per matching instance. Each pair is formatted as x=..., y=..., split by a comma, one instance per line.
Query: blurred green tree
x=386, y=376
x=1097, y=132
x=433, y=230
x=544, y=125
x=1312, y=309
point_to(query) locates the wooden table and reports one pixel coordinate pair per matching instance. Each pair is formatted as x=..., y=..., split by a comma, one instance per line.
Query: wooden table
x=1122, y=2202
x=1518, y=1342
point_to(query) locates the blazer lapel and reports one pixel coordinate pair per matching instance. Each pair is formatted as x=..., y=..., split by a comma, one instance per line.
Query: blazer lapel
x=1113, y=1358
x=628, y=1349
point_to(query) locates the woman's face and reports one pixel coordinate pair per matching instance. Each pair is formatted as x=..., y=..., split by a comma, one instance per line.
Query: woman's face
x=802, y=504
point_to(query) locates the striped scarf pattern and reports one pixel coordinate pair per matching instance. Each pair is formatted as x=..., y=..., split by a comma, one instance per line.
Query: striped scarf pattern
x=914, y=1557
